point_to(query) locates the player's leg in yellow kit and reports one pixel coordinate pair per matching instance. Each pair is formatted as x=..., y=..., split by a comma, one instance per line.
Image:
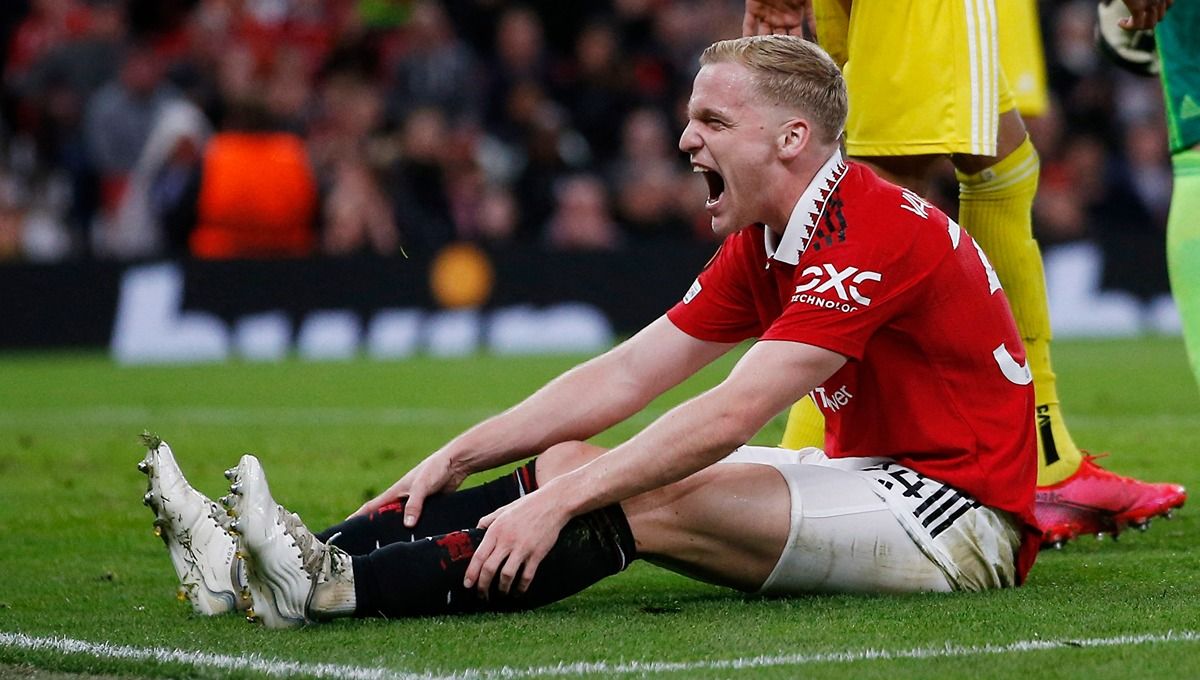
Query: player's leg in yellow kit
x=994, y=206
x=995, y=203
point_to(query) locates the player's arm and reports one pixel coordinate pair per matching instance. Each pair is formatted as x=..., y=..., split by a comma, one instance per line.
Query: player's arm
x=767, y=380
x=578, y=404
x=690, y=437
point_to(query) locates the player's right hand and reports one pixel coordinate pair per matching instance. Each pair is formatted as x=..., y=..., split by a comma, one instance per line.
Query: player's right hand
x=436, y=474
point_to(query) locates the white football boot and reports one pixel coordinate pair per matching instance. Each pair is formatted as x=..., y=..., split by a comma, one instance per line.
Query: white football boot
x=294, y=578
x=203, y=552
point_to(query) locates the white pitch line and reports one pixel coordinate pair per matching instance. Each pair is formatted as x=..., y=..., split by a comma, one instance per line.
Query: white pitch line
x=225, y=662
x=283, y=668
x=747, y=663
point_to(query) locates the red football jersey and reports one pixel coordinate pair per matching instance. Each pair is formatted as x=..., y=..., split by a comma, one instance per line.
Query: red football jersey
x=936, y=378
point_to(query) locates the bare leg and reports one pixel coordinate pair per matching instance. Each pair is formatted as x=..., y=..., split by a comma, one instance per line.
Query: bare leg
x=1010, y=136
x=726, y=525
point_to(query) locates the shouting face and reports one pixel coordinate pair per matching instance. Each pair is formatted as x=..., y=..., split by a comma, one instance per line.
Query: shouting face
x=734, y=139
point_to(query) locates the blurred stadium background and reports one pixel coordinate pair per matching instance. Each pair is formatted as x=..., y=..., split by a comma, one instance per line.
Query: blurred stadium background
x=198, y=179
x=201, y=180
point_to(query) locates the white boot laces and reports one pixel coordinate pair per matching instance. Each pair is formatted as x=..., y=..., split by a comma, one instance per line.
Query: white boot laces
x=317, y=557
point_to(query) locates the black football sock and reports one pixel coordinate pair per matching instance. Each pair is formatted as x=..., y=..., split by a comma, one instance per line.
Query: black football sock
x=443, y=514
x=426, y=577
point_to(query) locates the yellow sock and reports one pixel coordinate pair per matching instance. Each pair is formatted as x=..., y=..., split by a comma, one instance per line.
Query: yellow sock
x=1058, y=456
x=995, y=207
x=805, y=426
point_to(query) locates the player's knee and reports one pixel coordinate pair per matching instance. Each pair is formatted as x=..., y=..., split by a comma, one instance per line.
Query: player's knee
x=1009, y=138
x=1011, y=133
x=565, y=457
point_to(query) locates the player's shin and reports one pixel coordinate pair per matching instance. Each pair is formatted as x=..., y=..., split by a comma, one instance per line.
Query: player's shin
x=426, y=577
x=442, y=514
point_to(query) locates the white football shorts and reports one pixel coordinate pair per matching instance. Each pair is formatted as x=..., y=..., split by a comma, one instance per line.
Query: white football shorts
x=872, y=525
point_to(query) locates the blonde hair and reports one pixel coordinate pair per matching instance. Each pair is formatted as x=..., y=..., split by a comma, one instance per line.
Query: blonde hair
x=790, y=71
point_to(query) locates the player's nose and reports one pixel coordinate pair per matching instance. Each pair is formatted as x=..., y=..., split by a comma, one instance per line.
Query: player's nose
x=689, y=141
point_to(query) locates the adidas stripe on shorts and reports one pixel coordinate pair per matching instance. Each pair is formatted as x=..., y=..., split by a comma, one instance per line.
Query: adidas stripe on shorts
x=872, y=525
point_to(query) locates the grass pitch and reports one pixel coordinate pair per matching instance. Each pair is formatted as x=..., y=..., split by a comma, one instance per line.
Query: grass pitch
x=86, y=588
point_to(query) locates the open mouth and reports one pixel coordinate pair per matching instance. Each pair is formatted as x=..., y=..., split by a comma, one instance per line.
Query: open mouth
x=716, y=183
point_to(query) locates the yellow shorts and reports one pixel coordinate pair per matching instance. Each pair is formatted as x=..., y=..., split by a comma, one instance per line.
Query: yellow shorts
x=1021, y=56
x=924, y=76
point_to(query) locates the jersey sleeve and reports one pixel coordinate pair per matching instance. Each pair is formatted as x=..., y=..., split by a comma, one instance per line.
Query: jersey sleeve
x=850, y=285
x=719, y=305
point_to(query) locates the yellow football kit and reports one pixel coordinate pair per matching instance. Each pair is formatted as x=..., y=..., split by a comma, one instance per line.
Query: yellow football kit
x=924, y=76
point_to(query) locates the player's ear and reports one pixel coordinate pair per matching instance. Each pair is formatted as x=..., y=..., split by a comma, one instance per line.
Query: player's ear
x=794, y=138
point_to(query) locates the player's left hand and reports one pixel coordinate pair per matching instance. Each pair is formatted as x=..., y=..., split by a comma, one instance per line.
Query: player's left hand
x=518, y=537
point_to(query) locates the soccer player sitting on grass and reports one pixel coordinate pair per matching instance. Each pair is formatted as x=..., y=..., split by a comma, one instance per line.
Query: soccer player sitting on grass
x=926, y=86
x=859, y=293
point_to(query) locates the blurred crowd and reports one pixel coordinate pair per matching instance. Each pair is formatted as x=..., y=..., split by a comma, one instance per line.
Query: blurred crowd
x=265, y=128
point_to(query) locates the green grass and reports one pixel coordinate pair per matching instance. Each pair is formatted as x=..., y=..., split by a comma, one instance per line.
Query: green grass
x=79, y=560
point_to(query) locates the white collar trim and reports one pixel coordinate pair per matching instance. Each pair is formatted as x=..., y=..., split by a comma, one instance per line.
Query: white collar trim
x=807, y=213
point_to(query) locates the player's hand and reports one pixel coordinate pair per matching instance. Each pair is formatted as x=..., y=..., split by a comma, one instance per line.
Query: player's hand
x=766, y=17
x=1144, y=13
x=436, y=474
x=518, y=537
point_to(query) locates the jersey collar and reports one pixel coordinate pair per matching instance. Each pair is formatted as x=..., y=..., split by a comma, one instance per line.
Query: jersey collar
x=806, y=214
